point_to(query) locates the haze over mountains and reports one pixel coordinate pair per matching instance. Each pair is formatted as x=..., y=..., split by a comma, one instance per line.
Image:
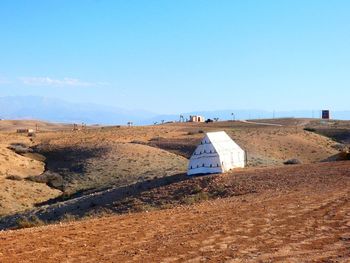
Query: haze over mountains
x=56, y=110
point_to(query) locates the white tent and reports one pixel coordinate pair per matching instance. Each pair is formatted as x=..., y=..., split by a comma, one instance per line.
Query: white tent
x=216, y=153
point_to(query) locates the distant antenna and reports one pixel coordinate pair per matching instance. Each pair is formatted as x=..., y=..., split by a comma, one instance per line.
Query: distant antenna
x=182, y=119
x=233, y=116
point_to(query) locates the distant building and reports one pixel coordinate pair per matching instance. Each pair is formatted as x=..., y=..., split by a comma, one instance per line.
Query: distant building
x=29, y=132
x=196, y=118
x=22, y=130
x=325, y=115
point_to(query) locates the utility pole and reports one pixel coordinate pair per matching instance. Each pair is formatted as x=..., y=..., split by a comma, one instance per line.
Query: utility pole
x=233, y=116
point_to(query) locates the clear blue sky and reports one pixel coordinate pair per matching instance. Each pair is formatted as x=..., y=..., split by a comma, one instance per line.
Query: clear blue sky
x=170, y=56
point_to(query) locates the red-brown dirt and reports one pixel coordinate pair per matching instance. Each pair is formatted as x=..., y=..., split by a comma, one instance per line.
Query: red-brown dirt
x=305, y=221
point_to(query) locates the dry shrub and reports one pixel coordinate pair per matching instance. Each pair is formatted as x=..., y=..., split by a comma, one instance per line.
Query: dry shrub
x=166, y=206
x=68, y=218
x=51, y=179
x=27, y=222
x=196, y=189
x=309, y=129
x=344, y=155
x=19, y=148
x=138, y=142
x=292, y=161
x=140, y=206
x=340, y=147
x=99, y=212
x=195, y=132
x=14, y=177
x=202, y=196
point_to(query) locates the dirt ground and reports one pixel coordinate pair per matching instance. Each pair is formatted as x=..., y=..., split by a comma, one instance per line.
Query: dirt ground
x=18, y=194
x=78, y=160
x=13, y=125
x=304, y=221
x=98, y=165
x=265, y=145
x=277, y=214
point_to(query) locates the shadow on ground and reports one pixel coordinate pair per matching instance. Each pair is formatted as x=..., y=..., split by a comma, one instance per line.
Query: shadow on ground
x=66, y=164
x=85, y=203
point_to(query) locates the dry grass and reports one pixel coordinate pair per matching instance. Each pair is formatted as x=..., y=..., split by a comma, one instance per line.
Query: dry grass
x=28, y=222
x=14, y=177
x=85, y=161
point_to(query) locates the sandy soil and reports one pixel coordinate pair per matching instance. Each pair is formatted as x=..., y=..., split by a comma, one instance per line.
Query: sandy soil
x=308, y=221
x=21, y=195
x=16, y=164
x=275, y=145
x=17, y=195
x=13, y=125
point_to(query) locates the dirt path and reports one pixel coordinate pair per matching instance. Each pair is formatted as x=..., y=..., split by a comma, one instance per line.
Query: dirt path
x=262, y=123
x=294, y=226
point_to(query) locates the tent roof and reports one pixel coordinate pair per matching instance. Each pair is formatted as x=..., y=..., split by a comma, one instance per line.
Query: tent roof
x=222, y=142
x=216, y=153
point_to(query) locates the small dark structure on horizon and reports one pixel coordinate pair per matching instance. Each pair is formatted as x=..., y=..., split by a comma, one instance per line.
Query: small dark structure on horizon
x=325, y=115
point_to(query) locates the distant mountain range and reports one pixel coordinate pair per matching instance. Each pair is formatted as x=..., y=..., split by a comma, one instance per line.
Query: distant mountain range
x=56, y=110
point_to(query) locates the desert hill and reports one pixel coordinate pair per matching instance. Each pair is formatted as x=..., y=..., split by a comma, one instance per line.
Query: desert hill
x=299, y=213
x=15, y=193
x=131, y=181
x=13, y=125
x=74, y=163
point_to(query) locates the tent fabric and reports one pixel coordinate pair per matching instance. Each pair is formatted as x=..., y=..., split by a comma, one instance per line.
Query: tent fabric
x=216, y=153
